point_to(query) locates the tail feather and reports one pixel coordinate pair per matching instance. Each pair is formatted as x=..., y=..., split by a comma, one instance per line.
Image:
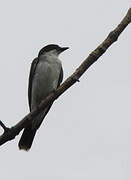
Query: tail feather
x=29, y=132
x=27, y=138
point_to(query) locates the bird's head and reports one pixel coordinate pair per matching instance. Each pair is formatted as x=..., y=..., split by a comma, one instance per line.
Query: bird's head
x=53, y=49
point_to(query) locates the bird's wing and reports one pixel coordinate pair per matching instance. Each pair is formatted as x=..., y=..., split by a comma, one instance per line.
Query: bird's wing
x=60, y=77
x=32, y=72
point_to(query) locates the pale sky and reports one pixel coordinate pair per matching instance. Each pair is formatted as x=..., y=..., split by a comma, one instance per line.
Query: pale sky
x=87, y=133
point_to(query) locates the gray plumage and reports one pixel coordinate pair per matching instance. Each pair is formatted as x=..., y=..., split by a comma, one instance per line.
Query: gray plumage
x=46, y=74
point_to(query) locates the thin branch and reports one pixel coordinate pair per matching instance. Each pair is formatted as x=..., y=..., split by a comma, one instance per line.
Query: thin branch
x=3, y=126
x=111, y=38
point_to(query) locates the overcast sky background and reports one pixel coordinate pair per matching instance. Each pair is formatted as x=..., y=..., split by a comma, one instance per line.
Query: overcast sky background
x=87, y=133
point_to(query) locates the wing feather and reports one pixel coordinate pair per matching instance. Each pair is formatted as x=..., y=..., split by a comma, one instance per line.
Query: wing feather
x=32, y=72
x=60, y=77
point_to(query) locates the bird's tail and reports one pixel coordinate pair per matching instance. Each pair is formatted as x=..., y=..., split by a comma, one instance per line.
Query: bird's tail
x=27, y=138
x=29, y=132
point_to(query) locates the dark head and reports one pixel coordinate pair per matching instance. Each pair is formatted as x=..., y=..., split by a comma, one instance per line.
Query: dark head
x=52, y=48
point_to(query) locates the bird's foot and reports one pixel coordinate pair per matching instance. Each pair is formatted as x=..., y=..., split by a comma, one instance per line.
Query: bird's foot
x=76, y=78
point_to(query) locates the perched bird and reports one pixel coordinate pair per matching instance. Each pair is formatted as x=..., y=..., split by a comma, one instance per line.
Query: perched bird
x=46, y=74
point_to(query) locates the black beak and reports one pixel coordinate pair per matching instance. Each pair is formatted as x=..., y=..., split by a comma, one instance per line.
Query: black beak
x=64, y=48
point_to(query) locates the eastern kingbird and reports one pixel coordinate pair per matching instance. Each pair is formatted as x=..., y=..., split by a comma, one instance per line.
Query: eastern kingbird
x=46, y=74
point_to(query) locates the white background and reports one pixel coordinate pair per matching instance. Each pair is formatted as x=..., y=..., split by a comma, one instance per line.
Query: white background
x=87, y=133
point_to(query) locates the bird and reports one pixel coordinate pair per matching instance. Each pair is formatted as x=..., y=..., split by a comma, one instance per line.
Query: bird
x=46, y=75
